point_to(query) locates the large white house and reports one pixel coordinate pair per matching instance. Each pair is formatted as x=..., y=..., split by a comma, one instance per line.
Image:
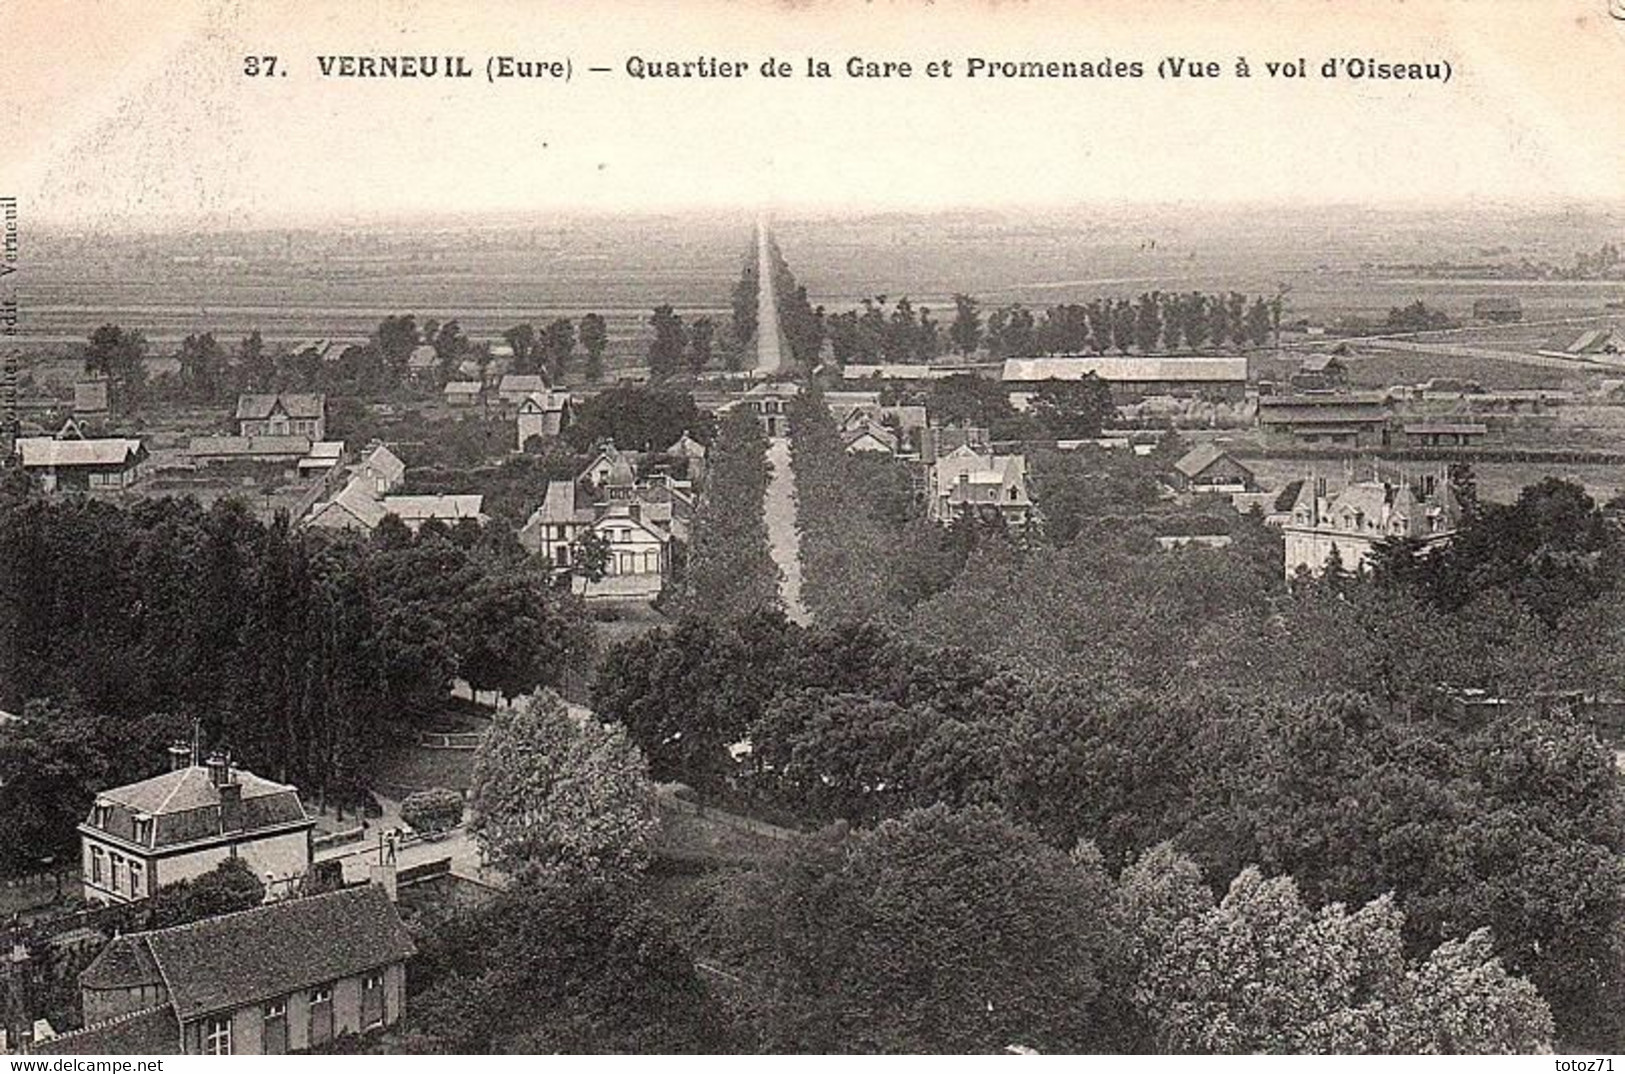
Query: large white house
x=187, y=821
x=1355, y=520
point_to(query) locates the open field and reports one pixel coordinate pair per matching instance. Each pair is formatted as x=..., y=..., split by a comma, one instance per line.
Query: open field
x=1382, y=369
x=337, y=283
x=1328, y=257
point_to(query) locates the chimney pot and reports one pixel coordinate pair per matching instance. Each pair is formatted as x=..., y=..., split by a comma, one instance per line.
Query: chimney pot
x=219, y=769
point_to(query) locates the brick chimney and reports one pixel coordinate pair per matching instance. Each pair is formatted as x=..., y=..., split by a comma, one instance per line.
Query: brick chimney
x=231, y=807
x=180, y=756
x=219, y=769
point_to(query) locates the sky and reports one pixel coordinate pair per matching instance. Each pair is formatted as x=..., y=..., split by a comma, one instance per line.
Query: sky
x=137, y=115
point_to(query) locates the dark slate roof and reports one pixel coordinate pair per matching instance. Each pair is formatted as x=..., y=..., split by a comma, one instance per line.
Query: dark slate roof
x=126, y=962
x=153, y=1031
x=185, y=806
x=255, y=405
x=1288, y=496
x=276, y=949
x=1199, y=458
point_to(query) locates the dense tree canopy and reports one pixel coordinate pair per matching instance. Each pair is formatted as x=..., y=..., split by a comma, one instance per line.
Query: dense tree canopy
x=303, y=652
x=228, y=887
x=940, y=931
x=573, y=966
x=1262, y=972
x=555, y=790
x=638, y=419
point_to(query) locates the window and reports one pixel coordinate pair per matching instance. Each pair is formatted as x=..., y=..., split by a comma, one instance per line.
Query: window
x=217, y=1036
x=372, y=1000
x=118, y=864
x=137, y=886
x=96, y=867
x=274, y=1036
x=143, y=830
x=101, y=814
x=321, y=1015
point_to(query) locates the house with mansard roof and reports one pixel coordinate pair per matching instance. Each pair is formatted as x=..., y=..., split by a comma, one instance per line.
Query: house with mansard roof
x=1355, y=520
x=283, y=977
x=184, y=823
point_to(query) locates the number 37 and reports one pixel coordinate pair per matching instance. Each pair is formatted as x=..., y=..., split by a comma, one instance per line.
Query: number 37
x=259, y=66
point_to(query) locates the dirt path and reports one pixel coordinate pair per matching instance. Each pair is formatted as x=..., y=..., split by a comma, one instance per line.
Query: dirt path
x=782, y=538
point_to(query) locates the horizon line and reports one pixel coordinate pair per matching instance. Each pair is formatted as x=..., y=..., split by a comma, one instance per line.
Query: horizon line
x=219, y=222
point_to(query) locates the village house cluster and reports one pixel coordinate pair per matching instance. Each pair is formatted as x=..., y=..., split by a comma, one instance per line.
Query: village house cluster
x=631, y=519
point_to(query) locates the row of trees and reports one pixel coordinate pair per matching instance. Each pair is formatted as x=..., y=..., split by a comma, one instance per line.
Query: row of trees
x=873, y=333
x=1152, y=322
x=866, y=547
x=302, y=652
x=209, y=371
x=802, y=323
x=730, y=569
x=678, y=346
x=881, y=329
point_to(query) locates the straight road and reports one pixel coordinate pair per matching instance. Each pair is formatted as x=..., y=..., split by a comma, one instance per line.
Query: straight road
x=779, y=506
x=783, y=539
x=769, y=339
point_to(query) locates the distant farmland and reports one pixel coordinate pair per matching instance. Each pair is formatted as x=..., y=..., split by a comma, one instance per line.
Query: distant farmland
x=338, y=283
x=308, y=285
